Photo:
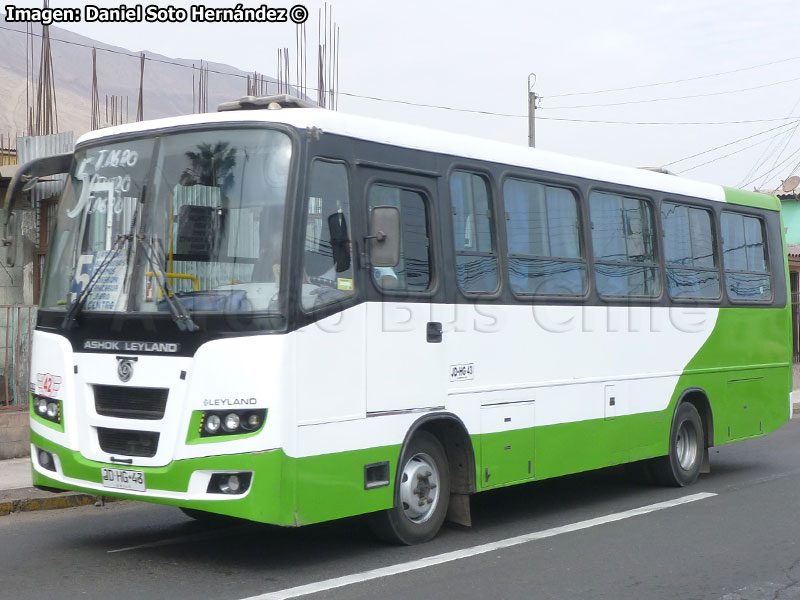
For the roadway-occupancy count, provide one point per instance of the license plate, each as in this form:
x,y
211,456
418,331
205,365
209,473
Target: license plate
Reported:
x,y
123,479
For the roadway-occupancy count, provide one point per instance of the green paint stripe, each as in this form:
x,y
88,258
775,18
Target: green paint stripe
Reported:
x,y
753,199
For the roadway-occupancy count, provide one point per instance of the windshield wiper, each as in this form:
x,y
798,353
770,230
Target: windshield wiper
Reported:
x,y
176,308
71,318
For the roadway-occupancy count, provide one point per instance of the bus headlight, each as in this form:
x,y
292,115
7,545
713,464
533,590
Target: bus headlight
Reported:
x,y
47,408
212,424
231,422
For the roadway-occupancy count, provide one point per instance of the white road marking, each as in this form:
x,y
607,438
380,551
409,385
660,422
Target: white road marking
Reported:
x,y
414,565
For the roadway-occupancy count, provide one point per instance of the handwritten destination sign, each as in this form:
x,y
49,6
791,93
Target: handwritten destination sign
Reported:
x,y
107,294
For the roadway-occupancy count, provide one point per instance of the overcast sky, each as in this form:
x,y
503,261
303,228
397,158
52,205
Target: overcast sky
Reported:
x,y
477,56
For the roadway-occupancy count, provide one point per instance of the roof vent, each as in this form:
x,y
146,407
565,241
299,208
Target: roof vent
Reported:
x,y
266,102
657,170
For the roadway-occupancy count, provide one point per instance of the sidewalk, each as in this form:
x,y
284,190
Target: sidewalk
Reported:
x,y
17,493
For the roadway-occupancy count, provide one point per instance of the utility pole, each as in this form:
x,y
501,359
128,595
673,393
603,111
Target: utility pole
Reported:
x,y
531,111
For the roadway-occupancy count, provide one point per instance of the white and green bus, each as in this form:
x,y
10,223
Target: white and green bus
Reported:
x,y
290,315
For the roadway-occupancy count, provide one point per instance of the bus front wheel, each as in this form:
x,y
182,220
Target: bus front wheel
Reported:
x,y
681,466
422,494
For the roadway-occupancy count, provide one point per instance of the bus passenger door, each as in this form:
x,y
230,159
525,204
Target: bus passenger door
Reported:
x,y
330,349
406,366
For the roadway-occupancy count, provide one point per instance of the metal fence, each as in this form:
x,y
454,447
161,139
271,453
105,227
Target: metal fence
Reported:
x,y
16,327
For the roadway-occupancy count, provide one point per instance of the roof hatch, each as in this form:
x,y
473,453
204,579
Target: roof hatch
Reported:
x,y
266,102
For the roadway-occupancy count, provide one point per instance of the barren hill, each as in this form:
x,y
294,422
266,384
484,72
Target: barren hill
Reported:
x,y
167,87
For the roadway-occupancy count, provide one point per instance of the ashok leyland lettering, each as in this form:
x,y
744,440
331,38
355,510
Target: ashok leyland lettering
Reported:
x,y
290,315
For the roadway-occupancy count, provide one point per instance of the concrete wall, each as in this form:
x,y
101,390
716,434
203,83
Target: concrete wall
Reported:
x,y
15,439
791,219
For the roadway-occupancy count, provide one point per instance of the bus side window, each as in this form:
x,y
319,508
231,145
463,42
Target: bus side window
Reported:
x,y
413,272
327,260
623,240
473,233
744,254
689,252
543,231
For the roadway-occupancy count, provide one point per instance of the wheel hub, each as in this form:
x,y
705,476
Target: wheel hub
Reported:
x,y
686,446
419,488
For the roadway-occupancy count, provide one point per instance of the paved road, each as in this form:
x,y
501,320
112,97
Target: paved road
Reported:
x,y
736,536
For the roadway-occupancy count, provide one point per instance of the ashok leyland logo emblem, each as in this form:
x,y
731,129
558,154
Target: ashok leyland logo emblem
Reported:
x,y
125,367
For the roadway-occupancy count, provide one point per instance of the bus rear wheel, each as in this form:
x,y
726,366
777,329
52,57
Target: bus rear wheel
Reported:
x,y
681,467
422,493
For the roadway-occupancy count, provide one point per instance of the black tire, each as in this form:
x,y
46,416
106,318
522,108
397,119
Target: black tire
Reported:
x,y
681,467
639,472
423,460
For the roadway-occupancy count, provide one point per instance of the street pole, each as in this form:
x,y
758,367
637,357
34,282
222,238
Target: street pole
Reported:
x,y
531,112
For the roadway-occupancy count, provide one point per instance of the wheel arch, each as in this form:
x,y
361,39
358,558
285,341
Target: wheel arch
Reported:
x,y
454,438
699,398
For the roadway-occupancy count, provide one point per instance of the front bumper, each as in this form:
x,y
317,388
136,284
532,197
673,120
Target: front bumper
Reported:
x,y
181,483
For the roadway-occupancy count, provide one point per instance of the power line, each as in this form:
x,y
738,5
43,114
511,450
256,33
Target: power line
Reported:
x,y
420,104
768,151
674,162
647,85
650,100
783,149
437,106
727,155
770,171
739,122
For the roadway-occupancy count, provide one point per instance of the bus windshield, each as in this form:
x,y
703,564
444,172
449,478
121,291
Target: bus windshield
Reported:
x,y
199,213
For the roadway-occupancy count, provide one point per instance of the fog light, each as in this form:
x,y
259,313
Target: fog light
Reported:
x,y
231,422
52,410
229,483
212,424
46,460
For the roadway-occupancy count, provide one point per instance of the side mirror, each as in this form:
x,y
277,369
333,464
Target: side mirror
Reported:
x,y
384,237
32,181
24,179
9,241
29,173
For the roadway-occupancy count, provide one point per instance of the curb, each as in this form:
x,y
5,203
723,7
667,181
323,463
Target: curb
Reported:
x,y
49,502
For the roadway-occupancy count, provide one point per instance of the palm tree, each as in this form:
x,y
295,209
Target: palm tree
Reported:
x,y
211,166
